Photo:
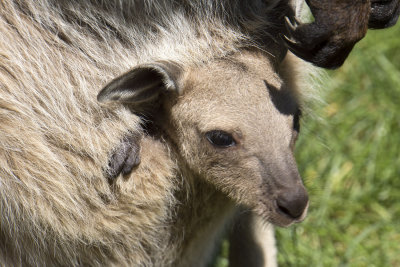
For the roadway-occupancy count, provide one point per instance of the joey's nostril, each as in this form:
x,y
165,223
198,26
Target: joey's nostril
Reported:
x,y
292,203
283,208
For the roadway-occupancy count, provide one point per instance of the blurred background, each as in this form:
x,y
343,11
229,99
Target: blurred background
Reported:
x,y
349,156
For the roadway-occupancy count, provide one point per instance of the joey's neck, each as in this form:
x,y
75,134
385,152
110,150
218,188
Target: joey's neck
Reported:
x,y
200,224
200,220
199,212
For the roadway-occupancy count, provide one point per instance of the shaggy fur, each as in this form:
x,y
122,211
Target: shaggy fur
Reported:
x,y
57,208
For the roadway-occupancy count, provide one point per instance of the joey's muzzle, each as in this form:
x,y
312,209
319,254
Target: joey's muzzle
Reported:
x,y
290,197
293,202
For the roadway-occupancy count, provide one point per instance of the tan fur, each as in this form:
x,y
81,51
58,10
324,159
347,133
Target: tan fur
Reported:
x,y
55,139
232,95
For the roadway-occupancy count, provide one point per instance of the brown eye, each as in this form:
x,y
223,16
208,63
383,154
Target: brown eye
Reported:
x,y
220,138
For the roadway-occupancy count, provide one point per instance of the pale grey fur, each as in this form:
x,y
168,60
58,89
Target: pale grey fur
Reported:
x,y
55,139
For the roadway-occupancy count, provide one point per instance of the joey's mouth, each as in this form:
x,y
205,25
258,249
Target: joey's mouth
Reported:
x,y
278,216
284,218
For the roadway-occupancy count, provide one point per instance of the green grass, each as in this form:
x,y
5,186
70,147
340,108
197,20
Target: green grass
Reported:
x,y
350,162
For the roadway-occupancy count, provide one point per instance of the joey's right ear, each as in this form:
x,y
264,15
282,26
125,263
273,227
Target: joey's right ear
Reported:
x,y
143,84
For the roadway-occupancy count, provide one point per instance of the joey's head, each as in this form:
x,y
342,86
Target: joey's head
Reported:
x,y
233,122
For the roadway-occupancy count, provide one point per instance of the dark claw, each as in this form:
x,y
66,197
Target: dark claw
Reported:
x,y
291,27
383,14
314,45
309,35
325,55
124,158
295,48
327,41
288,41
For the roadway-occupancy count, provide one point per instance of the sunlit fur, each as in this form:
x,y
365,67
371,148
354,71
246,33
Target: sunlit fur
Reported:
x,y
55,139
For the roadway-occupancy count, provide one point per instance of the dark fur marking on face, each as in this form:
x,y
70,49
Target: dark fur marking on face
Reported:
x,y
282,99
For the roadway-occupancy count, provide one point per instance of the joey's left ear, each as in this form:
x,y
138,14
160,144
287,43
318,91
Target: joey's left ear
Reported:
x,y
143,84
138,88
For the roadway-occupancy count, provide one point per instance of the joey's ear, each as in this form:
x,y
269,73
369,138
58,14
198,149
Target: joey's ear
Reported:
x,y
143,84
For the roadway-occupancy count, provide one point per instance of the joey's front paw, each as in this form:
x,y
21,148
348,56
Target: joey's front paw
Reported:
x,y
384,13
124,158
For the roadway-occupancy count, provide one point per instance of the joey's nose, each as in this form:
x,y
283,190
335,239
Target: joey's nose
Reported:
x,y
293,202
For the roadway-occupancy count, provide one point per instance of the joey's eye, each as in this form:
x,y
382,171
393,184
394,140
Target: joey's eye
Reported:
x,y
220,138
